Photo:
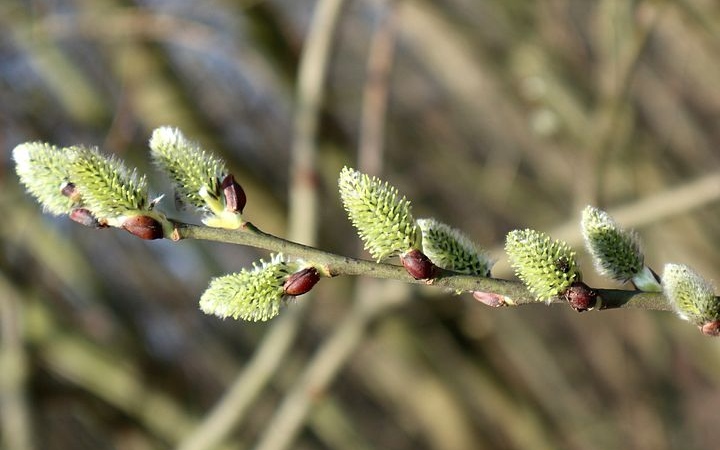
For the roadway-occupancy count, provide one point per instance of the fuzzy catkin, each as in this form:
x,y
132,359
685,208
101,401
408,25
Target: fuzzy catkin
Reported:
x,y
547,267
383,219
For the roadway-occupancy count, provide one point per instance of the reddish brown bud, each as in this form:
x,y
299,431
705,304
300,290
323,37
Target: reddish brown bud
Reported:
x,y
418,265
711,328
490,299
144,227
84,217
301,282
580,296
70,191
235,198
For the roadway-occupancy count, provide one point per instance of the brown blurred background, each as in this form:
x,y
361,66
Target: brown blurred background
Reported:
x,y
489,115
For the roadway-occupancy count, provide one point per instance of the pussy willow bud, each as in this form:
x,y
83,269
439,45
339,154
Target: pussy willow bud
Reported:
x,y
44,170
450,249
580,296
70,191
85,217
108,188
692,297
491,299
711,328
200,179
254,295
418,265
144,227
384,220
615,251
301,282
547,267
189,167
235,198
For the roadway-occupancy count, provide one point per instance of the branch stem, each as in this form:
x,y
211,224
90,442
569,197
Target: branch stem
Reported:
x,y
334,265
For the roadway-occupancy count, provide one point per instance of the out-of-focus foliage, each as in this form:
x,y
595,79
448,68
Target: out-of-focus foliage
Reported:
x,y
502,115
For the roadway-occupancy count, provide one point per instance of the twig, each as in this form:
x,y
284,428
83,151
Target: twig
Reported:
x,y
335,265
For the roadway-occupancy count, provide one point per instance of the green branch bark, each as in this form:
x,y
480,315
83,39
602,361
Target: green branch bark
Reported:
x,y
336,265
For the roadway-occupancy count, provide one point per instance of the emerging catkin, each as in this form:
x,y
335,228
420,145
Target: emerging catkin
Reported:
x,y
548,268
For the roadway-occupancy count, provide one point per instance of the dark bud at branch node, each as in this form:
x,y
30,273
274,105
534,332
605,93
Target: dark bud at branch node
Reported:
x,y
235,198
144,227
85,217
490,299
70,191
418,265
711,328
580,296
301,282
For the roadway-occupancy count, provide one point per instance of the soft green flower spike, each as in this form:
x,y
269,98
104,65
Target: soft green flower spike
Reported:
x,y
690,294
615,251
254,295
45,170
383,220
547,267
195,173
190,168
108,188
450,249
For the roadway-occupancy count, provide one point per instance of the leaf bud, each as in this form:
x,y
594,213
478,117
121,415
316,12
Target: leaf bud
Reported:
x,y
235,198
418,265
83,216
144,227
491,299
301,282
70,191
580,296
711,328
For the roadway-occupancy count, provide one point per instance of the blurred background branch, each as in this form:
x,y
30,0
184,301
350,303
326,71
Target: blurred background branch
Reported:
x,y
488,115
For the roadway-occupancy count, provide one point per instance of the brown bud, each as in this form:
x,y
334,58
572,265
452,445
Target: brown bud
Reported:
x,y
144,227
301,282
490,299
70,191
711,328
418,265
84,217
580,296
234,194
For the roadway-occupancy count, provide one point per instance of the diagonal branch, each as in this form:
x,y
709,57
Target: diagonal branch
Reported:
x,y
335,265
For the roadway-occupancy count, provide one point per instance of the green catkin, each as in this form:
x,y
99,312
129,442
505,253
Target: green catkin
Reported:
x,y
547,267
383,219
254,295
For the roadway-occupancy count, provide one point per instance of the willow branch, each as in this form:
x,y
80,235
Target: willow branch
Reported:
x,y
336,265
